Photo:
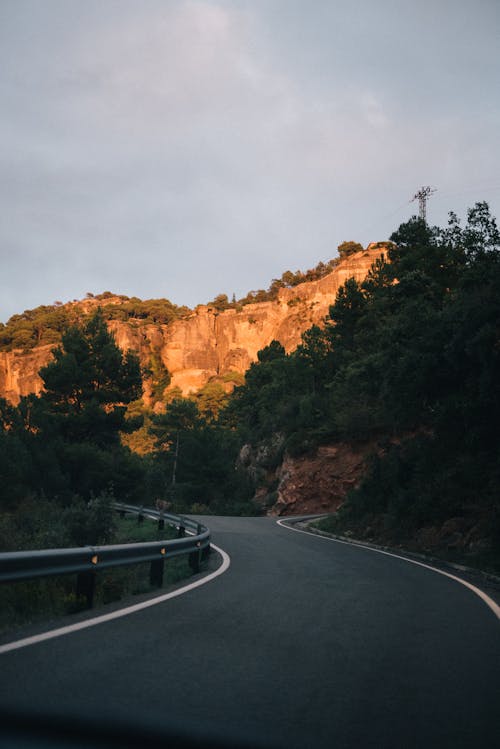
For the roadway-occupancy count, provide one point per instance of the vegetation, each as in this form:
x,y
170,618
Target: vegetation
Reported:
x,y
62,462
156,311
409,359
195,462
37,327
65,444
288,280
29,602
46,324
348,248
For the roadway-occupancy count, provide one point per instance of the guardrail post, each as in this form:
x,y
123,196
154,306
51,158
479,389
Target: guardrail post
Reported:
x,y
206,552
161,522
181,531
140,516
156,572
85,586
195,560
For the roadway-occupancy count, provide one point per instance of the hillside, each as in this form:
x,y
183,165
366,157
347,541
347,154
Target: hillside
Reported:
x,y
390,411
386,412
183,349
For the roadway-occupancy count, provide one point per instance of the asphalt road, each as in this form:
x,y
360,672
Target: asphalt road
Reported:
x,y
303,642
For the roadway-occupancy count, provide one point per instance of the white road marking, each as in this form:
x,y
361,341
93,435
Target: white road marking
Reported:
x,y
16,644
495,608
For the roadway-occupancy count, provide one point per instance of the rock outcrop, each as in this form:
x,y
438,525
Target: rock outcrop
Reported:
x,y
19,372
320,482
207,343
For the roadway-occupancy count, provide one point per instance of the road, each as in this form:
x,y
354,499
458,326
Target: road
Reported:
x,y
302,642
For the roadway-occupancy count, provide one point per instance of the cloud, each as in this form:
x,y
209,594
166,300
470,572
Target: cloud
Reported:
x,y
373,111
153,73
186,148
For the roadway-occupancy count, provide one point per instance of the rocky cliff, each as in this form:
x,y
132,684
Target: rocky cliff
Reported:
x,y
207,343
315,482
19,372
320,482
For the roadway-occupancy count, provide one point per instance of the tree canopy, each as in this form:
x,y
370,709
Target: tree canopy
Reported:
x,y
408,359
348,248
66,442
89,382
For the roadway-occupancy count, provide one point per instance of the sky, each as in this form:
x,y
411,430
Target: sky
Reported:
x,y
188,148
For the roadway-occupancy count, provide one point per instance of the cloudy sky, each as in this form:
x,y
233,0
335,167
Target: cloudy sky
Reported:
x,y
186,148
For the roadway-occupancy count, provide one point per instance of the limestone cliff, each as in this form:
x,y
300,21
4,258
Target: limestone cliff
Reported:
x,y
212,343
19,372
207,343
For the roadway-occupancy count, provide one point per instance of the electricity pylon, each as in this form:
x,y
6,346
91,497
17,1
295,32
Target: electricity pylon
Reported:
x,y
422,196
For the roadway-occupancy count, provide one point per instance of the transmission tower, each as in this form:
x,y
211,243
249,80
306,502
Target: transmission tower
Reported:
x,y
421,196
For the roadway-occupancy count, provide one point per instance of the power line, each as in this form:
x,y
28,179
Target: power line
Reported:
x,y
468,190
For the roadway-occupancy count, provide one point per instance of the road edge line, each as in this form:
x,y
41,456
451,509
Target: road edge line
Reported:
x,y
492,605
102,618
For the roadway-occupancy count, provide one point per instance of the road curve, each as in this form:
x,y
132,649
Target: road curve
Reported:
x,y
300,643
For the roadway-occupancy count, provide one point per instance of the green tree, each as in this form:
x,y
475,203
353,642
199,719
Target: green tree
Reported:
x,y
348,248
211,399
255,405
170,428
72,431
347,313
89,383
271,352
220,302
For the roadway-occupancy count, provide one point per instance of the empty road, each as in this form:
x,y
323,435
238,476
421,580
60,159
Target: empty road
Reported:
x,y
302,642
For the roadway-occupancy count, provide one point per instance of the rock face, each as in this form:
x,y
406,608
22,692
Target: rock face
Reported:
x,y
210,343
207,343
19,372
320,482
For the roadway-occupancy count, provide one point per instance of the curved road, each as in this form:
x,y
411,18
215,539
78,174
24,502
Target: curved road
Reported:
x,y
303,642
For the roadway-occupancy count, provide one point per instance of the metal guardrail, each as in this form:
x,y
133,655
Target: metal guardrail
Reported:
x,y
86,561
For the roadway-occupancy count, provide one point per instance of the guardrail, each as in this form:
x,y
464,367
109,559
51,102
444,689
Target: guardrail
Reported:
x,y
87,561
